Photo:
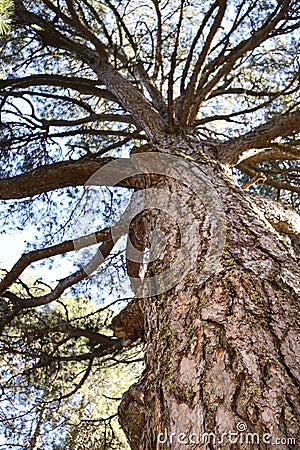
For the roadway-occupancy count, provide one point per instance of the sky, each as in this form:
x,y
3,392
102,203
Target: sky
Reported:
x,y
12,246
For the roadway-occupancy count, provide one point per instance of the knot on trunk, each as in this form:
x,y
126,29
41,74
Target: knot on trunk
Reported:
x,y
130,321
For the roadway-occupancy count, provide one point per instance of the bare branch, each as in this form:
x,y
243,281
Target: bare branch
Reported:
x,y
48,252
80,384
102,253
191,88
158,64
194,43
91,118
155,94
172,71
278,184
252,93
227,62
271,97
132,100
91,132
106,341
50,36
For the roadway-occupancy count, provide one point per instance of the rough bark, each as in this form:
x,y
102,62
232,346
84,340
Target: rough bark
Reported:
x,y
222,358
133,101
60,175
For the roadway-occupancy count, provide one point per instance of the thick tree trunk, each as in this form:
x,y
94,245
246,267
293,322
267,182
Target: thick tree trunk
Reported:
x,y
222,358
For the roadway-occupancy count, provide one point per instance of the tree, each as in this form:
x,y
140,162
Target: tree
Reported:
x,y
55,394
205,100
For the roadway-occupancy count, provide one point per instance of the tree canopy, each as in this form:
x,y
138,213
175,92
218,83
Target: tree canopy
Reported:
x,y
87,83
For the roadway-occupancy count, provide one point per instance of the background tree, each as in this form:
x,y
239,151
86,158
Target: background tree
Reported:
x,y
202,98
55,393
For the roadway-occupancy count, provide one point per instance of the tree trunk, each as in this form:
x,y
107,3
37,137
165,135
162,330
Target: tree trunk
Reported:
x,y
222,351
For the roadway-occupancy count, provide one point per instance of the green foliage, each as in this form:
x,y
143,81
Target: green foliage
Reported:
x,y
6,11
54,393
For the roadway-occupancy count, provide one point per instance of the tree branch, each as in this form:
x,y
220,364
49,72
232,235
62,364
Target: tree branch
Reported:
x,y
132,100
63,284
91,118
106,341
274,152
193,46
260,137
155,94
189,96
82,85
50,36
226,62
54,250
64,174
278,184
171,117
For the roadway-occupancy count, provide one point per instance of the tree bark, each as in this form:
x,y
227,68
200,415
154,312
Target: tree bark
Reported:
x,y
222,357
63,174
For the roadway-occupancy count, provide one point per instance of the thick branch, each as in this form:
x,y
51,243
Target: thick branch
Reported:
x,y
63,174
133,101
260,137
83,85
280,152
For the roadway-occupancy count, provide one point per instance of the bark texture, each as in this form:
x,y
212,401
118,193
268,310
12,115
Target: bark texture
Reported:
x,y
59,175
222,359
